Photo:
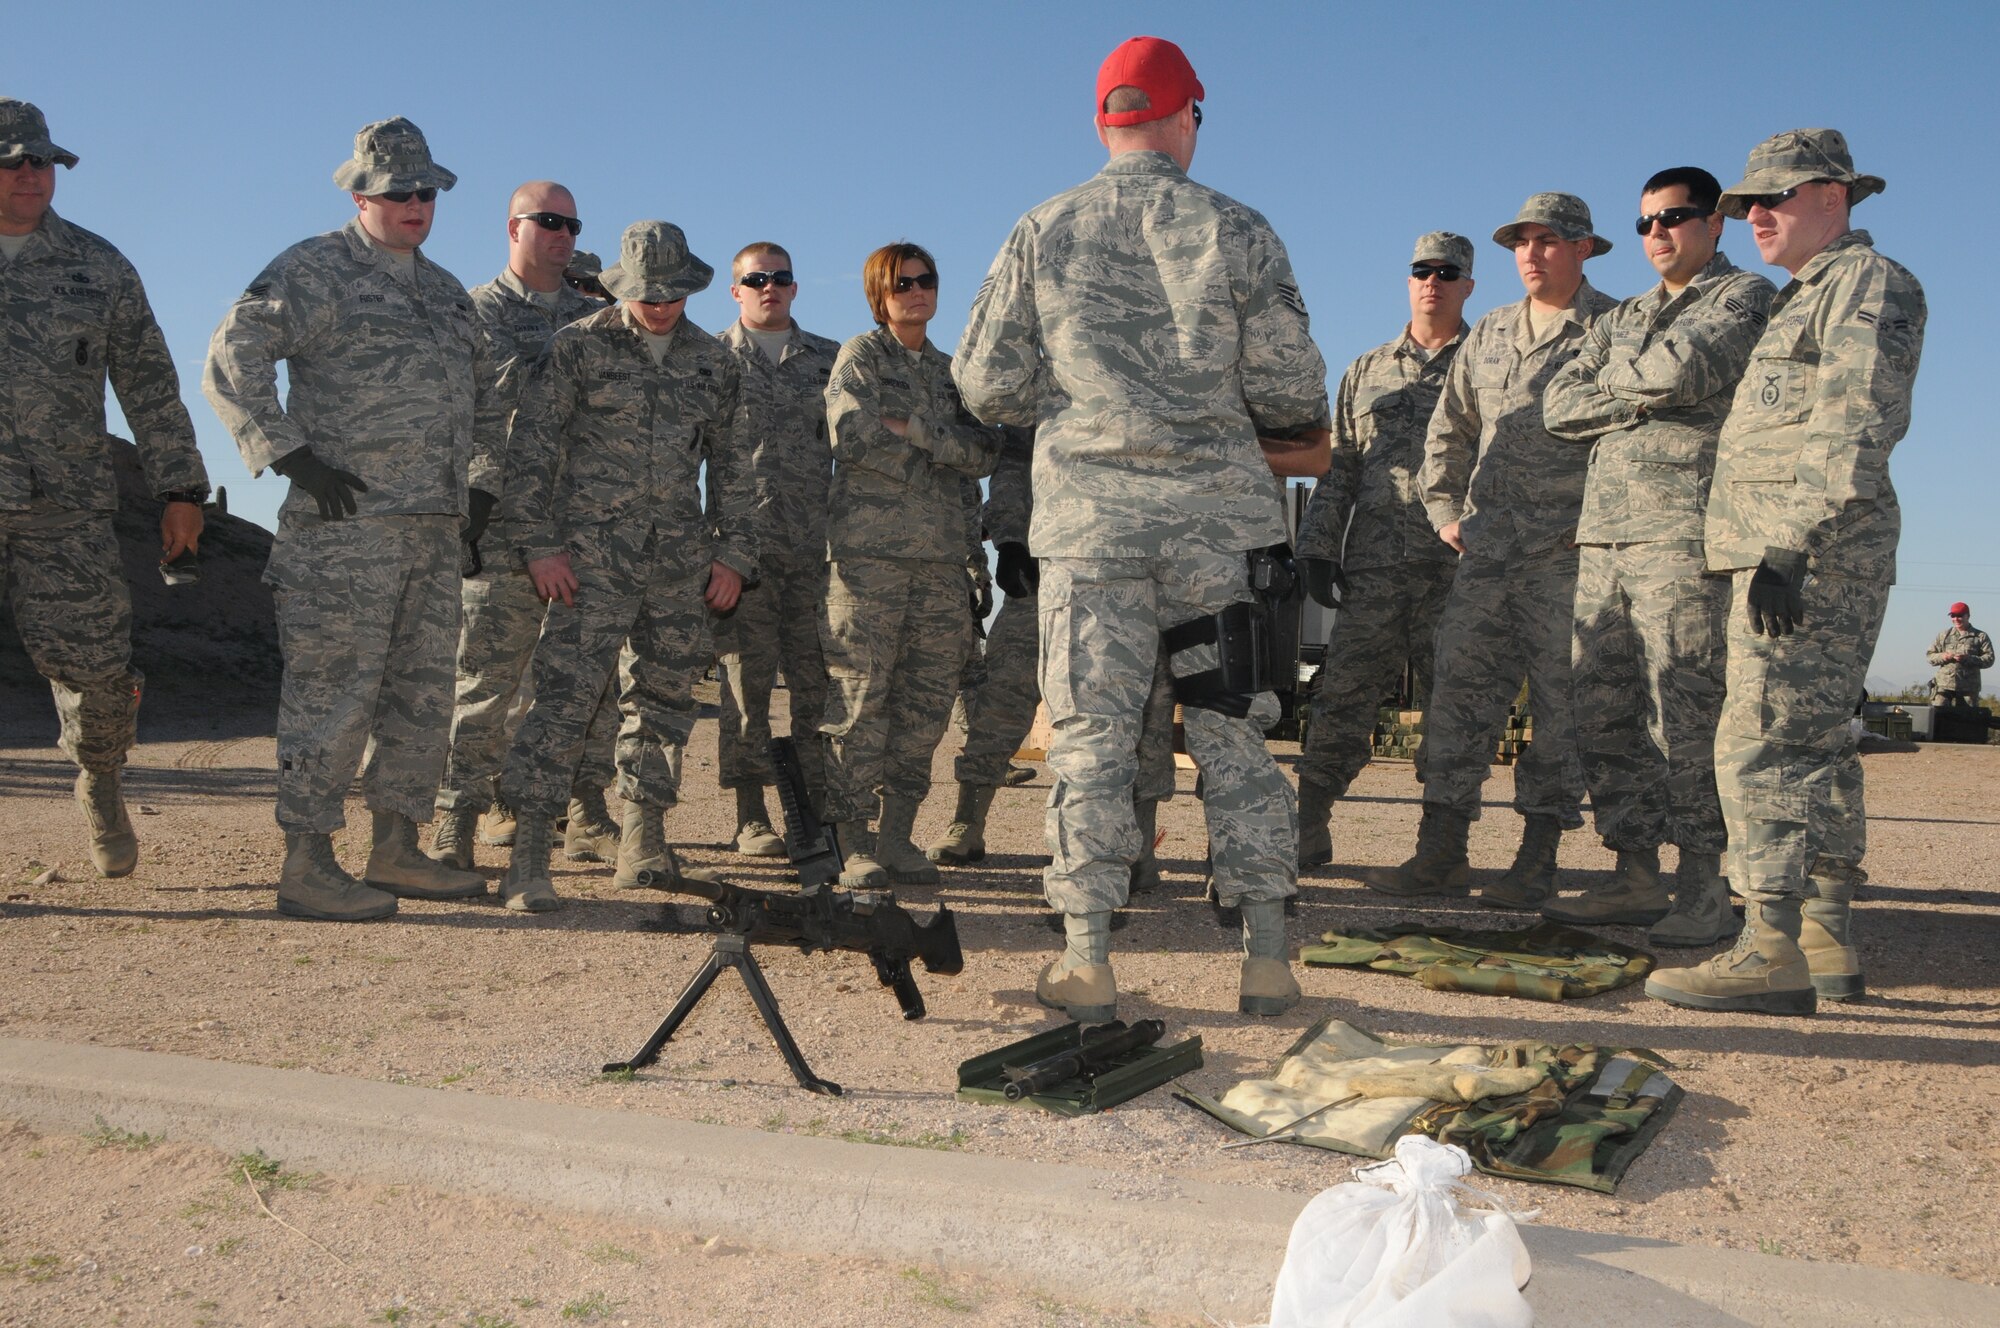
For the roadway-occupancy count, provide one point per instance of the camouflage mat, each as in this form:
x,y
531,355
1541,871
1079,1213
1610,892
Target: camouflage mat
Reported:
x,y
1586,1118
1546,962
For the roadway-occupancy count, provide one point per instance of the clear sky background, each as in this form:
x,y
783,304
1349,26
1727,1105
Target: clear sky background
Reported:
x,y
209,133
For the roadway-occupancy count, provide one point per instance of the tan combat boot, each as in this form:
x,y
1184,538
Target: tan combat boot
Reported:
x,y
526,888
114,848
1144,877
398,866
1633,897
314,885
1826,931
1701,914
589,836
1765,974
1531,880
496,827
1268,987
1438,867
1315,824
754,836
452,844
1080,982
644,860
859,870
964,840
901,858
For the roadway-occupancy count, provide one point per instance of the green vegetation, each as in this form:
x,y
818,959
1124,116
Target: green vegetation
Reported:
x,y
605,1252
929,1290
267,1172
591,1308
107,1135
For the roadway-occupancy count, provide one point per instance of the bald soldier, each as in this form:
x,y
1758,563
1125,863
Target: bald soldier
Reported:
x,y
1804,520
1157,476
72,317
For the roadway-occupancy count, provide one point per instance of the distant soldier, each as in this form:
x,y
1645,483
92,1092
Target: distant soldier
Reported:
x,y
520,310
1959,653
73,314
1505,494
776,623
603,487
392,397
1648,395
582,274
1366,545
1804,518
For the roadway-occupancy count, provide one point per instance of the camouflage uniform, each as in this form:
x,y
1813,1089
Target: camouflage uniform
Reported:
x,y
396,383
1803,466
896,624
502,614
1491,466
604,463
72,315
1650,389
776,622
1959,678
1398,571
1149,488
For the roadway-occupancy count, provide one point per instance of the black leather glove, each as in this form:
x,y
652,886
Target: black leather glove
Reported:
x,y
1018,573
332,489
1325,581
1777,593
982,598
479,512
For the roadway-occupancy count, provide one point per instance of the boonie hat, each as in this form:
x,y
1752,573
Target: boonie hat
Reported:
x,y
654,265
1957,609
391,156
1157,68
1444,247
583,265
24,132
1565,214
1793,158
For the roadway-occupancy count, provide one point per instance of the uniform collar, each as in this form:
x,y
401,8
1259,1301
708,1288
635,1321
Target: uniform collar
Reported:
x,y
888,339
54,232
1822,260
1407,345
367,251
737,337
1717,267
1143,163
511,280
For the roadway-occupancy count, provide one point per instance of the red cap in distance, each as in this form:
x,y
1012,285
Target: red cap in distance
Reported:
x,y
1156,67
1957,609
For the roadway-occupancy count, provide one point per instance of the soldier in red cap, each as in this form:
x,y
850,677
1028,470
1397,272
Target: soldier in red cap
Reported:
x,y
1959,653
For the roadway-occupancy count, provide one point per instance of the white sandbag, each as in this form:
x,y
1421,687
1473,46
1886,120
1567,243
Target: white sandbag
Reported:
x,y
1393,1249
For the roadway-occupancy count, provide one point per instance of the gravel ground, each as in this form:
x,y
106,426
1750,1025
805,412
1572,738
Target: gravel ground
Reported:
x,y
1863,1135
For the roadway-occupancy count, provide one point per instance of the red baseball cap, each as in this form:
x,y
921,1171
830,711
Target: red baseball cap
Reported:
x,y
1957,609
1157,68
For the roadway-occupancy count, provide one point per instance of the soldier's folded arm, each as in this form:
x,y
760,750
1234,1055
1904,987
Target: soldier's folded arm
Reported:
x,y
1705,350
265,325
962,444
1576,406
854,416
999,365
1300,452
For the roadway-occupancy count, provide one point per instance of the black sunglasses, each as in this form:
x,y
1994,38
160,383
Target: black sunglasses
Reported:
x,y
551,221
1672,217
1197,115
405,195
927,281
1771,201
28,159
1442,271
758,280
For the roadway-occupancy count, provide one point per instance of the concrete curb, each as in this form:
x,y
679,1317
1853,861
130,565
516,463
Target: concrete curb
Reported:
x,y
1157,1244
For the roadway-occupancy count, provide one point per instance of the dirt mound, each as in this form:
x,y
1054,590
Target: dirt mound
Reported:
x,y
213,644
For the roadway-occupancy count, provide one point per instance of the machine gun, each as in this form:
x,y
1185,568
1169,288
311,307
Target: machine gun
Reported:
x,y
817,918
1094,1053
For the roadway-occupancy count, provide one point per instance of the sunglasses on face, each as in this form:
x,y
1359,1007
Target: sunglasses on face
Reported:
x,y
1442,271
1197,115
926,281
551,221
758,280
1672,217
1771,202
29,160
588,285
405,195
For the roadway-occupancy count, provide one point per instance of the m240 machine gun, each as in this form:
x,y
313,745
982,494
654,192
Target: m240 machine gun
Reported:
x,y
817,918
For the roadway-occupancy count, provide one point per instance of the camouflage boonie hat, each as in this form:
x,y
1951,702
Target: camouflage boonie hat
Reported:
x,y
583,266
654,265
1443,247
1565,214
389,157
24,132
1794,158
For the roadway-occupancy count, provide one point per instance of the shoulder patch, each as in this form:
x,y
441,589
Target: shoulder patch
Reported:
x,y
257,290
1289,293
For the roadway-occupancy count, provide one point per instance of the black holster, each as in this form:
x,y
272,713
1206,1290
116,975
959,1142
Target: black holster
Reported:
x,y
1256,640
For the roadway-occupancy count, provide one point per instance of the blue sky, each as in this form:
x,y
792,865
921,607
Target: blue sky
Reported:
x,y
209,133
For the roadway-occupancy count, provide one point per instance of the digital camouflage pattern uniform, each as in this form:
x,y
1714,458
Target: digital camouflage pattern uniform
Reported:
x,y
1367,515
1490,465
1003,703
72,316
604,463
1959,678
776,623
1649,391
1803,466
1150,329
502,614
896,624
396,383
